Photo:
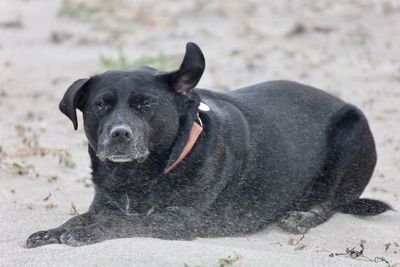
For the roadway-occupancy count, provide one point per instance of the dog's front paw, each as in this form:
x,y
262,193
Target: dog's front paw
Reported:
x,y
42,238
73,237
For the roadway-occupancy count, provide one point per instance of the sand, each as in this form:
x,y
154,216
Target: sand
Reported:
x,y
349,49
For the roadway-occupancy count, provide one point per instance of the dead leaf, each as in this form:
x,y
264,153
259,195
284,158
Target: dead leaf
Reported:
x,y
73,210
51,205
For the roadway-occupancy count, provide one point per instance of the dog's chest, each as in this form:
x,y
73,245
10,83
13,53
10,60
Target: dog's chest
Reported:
x,y
133,201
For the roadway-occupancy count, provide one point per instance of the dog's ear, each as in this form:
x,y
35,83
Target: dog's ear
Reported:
x,y
72,100
190,71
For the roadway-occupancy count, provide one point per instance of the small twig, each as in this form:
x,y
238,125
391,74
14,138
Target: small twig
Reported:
x,y
381,259
301,238
48,197
353,253
73,210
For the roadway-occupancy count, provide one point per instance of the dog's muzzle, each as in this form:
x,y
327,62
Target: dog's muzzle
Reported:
x,y
122,144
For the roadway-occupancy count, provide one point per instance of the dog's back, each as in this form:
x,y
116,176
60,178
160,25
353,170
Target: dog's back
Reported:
x,y
302,144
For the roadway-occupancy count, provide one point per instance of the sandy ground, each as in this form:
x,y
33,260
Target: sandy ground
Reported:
x,y
349,48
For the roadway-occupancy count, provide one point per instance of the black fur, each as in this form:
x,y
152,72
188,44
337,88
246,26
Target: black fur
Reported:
x,y
273,152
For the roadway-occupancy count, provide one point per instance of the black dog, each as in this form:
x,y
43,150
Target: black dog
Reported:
x,y
163,167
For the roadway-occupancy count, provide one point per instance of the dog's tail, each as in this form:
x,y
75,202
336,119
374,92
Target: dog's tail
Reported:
x,y
364,207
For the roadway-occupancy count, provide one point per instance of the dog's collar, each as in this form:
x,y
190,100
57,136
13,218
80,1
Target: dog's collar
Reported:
x,y
195,132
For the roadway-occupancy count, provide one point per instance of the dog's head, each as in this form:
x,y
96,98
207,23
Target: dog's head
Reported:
x,y
131,113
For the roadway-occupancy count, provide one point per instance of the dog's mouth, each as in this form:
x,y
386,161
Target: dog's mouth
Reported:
x,y
120,158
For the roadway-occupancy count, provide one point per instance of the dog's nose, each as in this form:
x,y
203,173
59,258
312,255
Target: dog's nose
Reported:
x,y
121,133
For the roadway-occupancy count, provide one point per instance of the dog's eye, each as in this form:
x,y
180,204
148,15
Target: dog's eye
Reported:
x,y
141,105
103,104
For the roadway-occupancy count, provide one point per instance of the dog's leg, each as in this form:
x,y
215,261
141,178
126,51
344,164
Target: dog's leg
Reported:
x,y
299,222
89,228
53,236
349,168
172,223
